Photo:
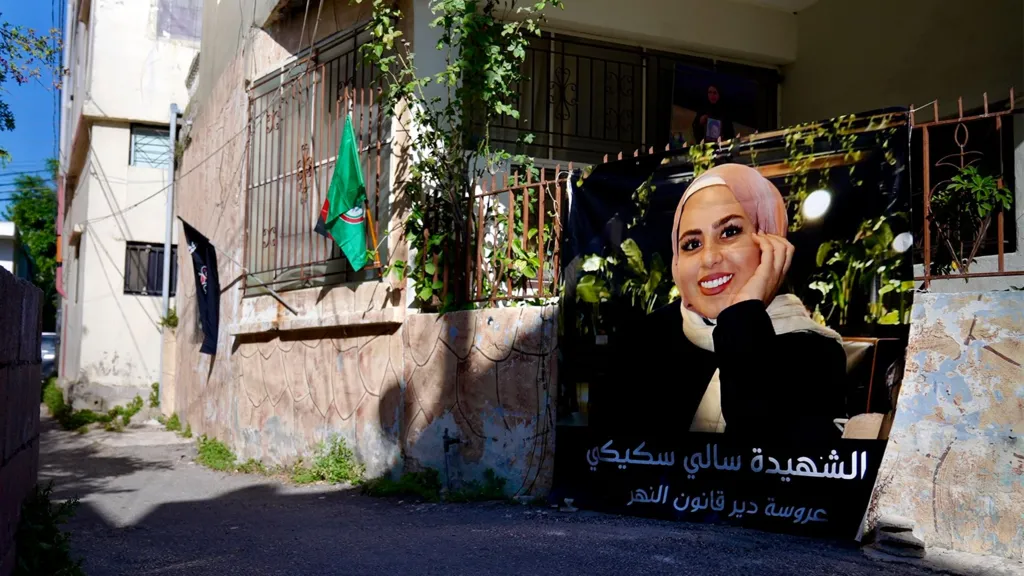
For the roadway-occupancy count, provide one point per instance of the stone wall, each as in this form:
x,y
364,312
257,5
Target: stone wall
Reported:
x,y
954,464
484,377
20,329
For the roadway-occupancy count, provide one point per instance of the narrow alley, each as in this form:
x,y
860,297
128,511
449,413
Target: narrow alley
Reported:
x,y
147,508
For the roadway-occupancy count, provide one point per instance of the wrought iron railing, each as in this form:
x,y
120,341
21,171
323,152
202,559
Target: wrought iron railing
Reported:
x,y
946,147
515,230
296,121
581,99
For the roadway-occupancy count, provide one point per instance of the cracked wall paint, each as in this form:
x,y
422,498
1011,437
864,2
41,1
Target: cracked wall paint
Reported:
x,y
955,459
483,376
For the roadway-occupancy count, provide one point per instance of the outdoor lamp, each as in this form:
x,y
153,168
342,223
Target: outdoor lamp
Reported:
x,y
902,242
816,204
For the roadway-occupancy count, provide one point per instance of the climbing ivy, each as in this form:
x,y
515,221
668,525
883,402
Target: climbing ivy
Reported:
x,y
449,115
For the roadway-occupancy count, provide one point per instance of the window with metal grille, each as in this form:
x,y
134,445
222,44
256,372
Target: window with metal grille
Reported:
x,y
582,98
151,147
296,120
182,19
144,269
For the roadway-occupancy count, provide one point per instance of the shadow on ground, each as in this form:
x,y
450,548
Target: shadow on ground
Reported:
x,y
151,510
78,464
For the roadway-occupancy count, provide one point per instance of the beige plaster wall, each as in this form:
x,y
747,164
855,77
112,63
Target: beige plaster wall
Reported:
x,y
351,362
856,56
135,73
954,461
715,27
114,339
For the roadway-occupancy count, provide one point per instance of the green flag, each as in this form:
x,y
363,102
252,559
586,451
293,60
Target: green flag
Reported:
x,y
346,198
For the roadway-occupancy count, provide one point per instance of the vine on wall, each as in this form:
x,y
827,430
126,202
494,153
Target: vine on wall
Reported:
x,y
450,115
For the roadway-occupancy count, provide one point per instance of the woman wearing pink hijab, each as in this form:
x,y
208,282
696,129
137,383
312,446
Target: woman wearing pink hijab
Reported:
x,y
748,360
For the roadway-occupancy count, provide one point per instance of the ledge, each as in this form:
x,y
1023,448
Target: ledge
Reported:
x,y
389,316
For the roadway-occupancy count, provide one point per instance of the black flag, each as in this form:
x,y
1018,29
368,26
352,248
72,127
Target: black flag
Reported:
x,y
204,262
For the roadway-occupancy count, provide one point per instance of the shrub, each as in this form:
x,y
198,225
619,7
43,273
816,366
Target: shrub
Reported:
x,y
187,432
41,546
171,320
253,466
154,395
70,419
333,462
492,488
173,423
53,397
425,485
215,454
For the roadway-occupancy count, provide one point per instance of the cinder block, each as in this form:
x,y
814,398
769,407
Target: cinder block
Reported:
x,y
31,373
6,323
10,411
6,559
4,412
31,302
11,320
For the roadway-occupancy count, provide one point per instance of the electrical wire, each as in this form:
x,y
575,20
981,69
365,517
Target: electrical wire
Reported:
x,y
190,170
231,139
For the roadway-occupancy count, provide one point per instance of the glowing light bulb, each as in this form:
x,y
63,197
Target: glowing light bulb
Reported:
x,y
903,242
816,204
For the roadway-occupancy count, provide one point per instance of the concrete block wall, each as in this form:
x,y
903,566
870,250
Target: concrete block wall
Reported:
x,y
20,329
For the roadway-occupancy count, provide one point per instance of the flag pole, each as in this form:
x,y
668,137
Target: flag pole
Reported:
x,y
373,235
366,202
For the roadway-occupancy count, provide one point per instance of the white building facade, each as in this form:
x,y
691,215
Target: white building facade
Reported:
x,y
127,63
13,257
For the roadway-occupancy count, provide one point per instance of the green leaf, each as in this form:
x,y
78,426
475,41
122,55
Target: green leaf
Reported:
x,y
634,257
673,294
588,289
823,252
593,263
890,318
437,284
429,268
425,293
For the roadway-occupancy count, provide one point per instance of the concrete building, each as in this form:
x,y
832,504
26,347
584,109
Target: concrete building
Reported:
x,y
342,353
13,257
127,63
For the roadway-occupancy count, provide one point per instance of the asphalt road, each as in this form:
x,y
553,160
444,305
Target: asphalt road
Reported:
x,y
148,509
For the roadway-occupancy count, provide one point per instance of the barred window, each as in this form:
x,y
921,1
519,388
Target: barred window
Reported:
x,y
582,98
151,147
182,19
296,120
144,269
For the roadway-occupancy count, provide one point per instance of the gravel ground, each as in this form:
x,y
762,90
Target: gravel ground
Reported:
x,y
148,509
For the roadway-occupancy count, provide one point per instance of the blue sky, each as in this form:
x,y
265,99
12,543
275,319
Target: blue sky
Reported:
x,y
33,105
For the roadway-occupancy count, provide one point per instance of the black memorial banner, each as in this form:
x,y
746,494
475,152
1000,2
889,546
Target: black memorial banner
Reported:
x,y
820,490
744,306
204,264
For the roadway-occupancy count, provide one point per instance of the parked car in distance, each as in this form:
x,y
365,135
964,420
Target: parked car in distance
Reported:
x,y
49,354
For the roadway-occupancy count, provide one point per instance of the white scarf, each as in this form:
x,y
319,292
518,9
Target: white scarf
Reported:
x,y
787,314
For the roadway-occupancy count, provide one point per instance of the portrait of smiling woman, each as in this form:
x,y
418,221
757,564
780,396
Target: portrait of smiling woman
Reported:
x,y
737,354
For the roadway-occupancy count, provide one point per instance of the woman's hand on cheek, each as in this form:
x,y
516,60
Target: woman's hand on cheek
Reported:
x,y
776,256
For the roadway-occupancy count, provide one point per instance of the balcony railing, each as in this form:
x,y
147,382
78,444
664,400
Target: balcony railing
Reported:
x,y
946,147
515,231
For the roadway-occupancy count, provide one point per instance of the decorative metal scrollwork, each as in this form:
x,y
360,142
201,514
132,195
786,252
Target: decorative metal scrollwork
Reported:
x,y
562,94
270,236
304,173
